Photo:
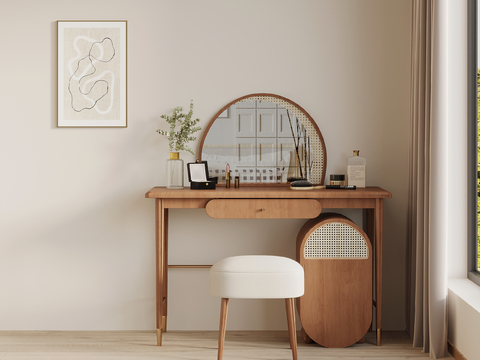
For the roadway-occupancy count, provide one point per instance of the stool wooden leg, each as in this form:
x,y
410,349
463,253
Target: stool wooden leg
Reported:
x,y
292,331
223,327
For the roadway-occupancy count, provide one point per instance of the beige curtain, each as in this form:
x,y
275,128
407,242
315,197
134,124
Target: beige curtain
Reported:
x,y
426,293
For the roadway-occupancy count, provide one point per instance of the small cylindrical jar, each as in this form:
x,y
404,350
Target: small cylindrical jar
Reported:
x,y
337,179
174,171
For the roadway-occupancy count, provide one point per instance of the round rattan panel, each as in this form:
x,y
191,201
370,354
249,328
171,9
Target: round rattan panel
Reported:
x,y
336,240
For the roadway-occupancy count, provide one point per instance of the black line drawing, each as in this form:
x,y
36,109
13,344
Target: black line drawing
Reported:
x,y
89,61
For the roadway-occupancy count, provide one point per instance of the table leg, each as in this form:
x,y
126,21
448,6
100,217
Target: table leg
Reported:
x,y
378,265
369,227
161,241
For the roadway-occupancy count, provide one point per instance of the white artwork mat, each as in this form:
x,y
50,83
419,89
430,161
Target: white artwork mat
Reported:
x,y
92,74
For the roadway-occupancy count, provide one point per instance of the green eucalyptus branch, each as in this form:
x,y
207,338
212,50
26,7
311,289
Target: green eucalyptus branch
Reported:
x,y
182,127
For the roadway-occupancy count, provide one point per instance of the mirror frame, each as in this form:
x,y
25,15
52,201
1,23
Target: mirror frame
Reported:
x,y
319,151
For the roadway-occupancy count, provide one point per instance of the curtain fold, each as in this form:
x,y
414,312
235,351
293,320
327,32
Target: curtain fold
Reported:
x,y
426,316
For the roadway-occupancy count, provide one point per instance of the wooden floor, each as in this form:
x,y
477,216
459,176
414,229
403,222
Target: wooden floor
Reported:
x,y
183,345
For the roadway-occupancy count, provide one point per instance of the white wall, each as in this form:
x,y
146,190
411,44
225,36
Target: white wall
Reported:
x,y
77,234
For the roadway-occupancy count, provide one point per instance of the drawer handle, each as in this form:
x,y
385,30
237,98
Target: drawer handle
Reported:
x,y
262,209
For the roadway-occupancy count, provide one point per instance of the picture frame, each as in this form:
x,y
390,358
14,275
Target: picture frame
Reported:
x,y
92,73
198,176
197,171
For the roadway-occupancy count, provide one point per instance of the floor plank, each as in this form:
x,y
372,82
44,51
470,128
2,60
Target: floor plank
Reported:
x,y
184,345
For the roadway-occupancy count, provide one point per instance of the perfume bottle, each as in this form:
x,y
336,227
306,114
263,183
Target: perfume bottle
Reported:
x,y
356,166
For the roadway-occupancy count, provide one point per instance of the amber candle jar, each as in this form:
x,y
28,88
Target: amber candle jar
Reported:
x,y
337,179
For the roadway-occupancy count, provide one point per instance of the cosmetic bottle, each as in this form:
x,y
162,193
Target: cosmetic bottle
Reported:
x,y
356,166
227,179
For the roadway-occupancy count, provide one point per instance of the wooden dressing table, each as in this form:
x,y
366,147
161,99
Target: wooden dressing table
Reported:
x,y
265,202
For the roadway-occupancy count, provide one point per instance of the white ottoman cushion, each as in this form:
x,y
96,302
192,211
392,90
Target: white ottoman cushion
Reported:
x,y
257,277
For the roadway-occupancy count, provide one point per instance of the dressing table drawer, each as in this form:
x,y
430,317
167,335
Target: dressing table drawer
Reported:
x,y
263,208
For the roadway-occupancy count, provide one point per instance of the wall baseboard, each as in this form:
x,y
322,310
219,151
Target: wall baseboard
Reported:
x,y
457,355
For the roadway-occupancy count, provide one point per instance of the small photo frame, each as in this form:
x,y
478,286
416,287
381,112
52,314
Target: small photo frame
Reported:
x,y
197,171
198,176
92,73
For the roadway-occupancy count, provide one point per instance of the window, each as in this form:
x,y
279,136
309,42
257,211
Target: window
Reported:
x,y
476,249
474,142
476,242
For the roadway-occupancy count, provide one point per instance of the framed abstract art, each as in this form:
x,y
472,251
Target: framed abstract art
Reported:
x,y
92,73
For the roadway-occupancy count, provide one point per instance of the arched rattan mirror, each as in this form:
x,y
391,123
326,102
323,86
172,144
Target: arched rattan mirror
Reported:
x,y
265,139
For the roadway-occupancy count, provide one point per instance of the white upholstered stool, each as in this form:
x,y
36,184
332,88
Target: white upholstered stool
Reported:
x,y
257,277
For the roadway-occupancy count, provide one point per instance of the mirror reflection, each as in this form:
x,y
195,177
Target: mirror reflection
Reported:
x,y
261,141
